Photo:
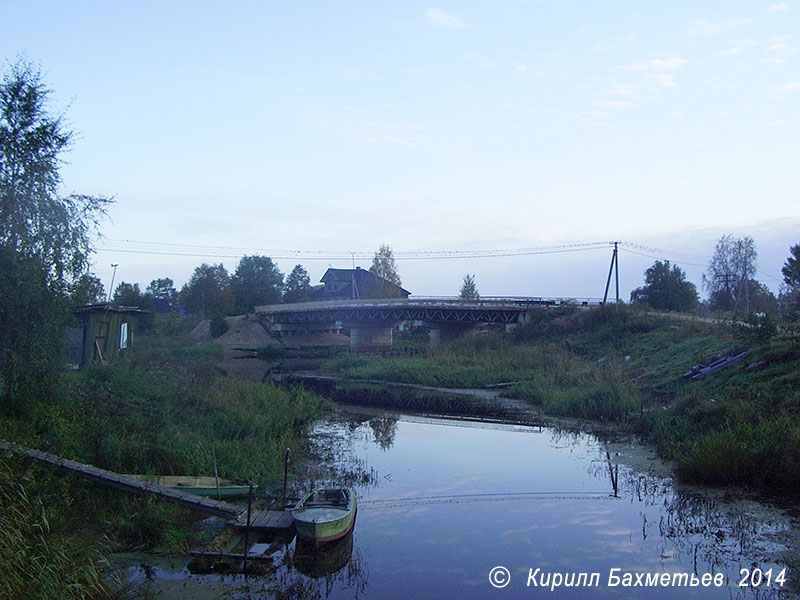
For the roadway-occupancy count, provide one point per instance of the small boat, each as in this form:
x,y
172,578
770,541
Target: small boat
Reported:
x,y
201,485
325,514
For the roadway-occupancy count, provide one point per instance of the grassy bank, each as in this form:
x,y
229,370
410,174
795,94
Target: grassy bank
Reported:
x,y
160,410
740,425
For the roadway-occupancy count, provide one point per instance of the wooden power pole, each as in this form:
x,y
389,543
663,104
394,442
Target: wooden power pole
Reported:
x,y
614,268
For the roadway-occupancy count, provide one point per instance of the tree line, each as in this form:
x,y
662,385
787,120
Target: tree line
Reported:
x,y
729,281
212,292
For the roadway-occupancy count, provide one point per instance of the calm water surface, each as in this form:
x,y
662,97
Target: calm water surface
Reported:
x,y
442,503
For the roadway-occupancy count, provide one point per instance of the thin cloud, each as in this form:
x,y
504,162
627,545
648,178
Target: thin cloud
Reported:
x,y
788,88
614,104
709,28
730,51
661,70
777,43
622,89
779,7
439,18
481,60
663,79
671,64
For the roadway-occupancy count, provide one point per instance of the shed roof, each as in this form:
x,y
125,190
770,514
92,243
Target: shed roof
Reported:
x,y
107,307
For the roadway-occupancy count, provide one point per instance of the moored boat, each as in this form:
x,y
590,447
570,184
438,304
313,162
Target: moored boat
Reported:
x,y
201,485
325,514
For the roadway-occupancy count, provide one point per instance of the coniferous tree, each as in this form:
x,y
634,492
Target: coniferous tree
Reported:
x,y
469,291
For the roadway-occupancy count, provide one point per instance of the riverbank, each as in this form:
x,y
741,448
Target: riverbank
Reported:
x,y
159,410
737,426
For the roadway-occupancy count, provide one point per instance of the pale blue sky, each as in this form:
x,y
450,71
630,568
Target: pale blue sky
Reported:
x,y
321,126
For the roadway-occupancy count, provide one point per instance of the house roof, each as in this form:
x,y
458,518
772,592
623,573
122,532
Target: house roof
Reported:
x,y
365,281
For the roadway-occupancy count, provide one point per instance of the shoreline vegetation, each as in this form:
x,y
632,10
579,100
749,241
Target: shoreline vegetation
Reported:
x,y
739,426
160,410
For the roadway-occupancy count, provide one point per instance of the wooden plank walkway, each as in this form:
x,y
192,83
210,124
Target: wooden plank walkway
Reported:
x,y
129,484
266,519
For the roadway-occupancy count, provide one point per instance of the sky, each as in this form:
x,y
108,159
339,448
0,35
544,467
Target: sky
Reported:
x,y
314,132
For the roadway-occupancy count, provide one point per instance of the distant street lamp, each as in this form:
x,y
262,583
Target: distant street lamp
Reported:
x,y
111,289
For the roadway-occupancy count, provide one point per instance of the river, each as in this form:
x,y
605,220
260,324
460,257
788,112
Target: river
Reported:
x,y
457,509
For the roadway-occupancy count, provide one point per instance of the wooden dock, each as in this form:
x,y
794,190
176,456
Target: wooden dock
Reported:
x,y
266,520
131,484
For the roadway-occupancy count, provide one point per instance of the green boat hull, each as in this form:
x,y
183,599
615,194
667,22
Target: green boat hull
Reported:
x,y
200,485
325,515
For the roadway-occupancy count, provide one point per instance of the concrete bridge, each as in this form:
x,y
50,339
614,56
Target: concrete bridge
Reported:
x,y
370,322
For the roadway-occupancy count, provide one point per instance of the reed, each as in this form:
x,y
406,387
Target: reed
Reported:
x,y
39,561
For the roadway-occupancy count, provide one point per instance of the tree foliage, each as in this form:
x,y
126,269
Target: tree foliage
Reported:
x,y
791,268
469,291
34,220
298,286
666,288
733,264
208,292
163,289
383,265
257,281
129,294
87,289
32,321
45,239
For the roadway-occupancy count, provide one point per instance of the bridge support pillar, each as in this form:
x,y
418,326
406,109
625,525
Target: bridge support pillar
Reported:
x,y
370,339
442,333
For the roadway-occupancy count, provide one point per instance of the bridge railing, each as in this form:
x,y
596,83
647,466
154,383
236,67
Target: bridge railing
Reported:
x,y
444,301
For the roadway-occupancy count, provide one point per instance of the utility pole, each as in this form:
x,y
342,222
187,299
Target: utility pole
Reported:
x,y
111,289
614,268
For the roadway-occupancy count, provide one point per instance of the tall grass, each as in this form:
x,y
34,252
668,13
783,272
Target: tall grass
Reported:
x,y
161,410
38,561
741,425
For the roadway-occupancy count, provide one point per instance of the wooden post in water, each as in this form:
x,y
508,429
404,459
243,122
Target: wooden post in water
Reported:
x,y
285,476
613,473
247,529
216,477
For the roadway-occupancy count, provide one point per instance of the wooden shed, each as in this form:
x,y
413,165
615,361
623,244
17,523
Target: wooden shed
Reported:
x,y
105,332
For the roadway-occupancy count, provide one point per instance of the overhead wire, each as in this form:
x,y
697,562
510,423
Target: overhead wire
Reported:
x,y
145,247
164,249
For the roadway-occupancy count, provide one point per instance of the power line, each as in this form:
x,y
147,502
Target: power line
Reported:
x,y
219,252
677,262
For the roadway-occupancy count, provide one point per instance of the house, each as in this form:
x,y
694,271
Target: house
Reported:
x,y
355,284
104,333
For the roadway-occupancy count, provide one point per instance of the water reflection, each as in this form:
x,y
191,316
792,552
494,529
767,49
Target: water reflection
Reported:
x,y
441,503
384,429
321,561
